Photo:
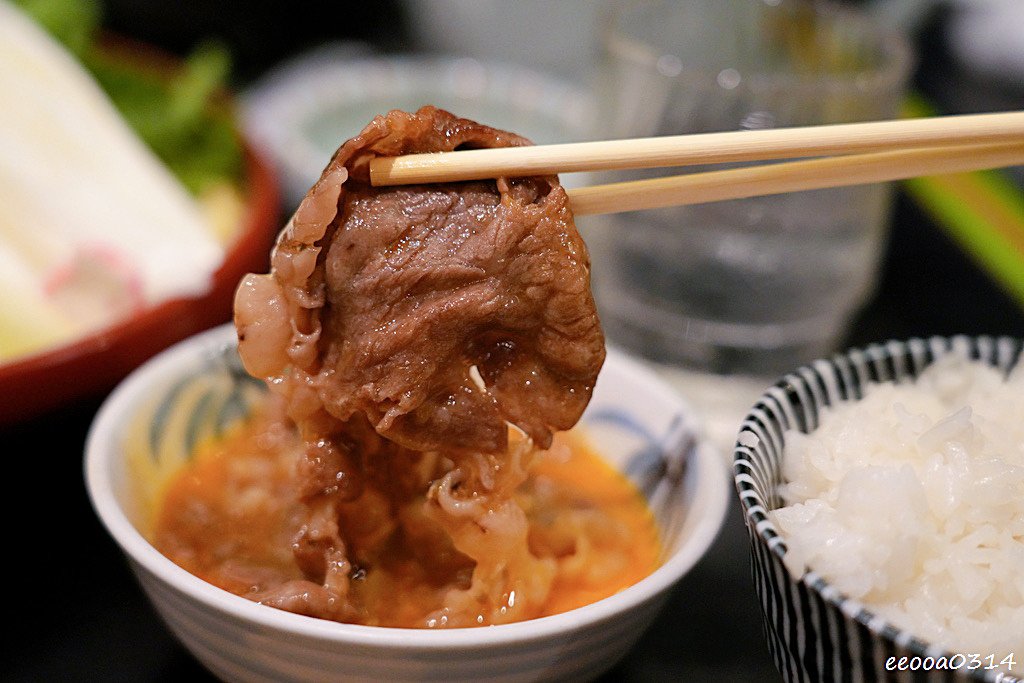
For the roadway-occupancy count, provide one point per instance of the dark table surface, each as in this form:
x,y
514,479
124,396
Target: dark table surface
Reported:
x,y
77,614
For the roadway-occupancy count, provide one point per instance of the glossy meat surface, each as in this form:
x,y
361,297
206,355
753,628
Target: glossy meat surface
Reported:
x,y
382,301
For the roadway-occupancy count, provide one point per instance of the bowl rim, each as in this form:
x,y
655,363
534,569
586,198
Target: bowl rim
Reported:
x,y
709,504
878,368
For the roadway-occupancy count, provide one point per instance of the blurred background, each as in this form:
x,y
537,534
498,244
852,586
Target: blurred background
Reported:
x,y
112,248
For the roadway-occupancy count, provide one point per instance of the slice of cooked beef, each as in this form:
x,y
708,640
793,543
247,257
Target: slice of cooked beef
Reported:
x,y
381,300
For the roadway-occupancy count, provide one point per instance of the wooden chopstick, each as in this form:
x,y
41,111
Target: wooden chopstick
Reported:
x,y
706,148
792,176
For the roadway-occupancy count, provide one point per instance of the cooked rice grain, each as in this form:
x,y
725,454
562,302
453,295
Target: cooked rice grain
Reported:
x,y
912,502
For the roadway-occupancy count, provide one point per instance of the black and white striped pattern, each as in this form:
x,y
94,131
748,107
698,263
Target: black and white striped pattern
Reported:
x,y
814,633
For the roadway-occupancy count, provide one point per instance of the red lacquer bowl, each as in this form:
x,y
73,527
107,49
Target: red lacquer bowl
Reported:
x,y
92,365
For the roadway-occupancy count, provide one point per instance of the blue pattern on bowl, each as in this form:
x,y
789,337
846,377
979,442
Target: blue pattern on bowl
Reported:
x,y
218,394
656,464
814,632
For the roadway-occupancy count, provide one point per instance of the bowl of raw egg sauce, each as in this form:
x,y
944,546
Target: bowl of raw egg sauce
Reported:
x,y
192,471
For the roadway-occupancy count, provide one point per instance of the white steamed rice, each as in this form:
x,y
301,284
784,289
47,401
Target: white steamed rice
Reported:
x,y
912,502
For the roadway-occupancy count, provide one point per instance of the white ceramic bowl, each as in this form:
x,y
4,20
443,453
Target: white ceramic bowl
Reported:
x,y
637,422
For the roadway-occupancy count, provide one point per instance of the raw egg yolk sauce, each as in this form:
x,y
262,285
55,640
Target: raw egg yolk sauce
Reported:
x,y
231,515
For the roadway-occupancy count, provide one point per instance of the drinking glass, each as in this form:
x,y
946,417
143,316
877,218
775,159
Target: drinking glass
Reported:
x,y
754,286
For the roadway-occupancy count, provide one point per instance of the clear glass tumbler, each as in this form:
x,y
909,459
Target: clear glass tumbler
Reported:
x,y
754,286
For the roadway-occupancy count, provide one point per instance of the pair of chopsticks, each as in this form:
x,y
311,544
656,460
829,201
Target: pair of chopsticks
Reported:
x,y
847,154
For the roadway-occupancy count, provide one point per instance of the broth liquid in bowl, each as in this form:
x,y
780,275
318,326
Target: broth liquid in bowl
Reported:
x,y
232,517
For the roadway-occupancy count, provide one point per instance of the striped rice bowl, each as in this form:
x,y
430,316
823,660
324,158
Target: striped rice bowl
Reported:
x,y
884,495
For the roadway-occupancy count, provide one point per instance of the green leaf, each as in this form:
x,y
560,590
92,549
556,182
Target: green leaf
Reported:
x,y
72,22
179,116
